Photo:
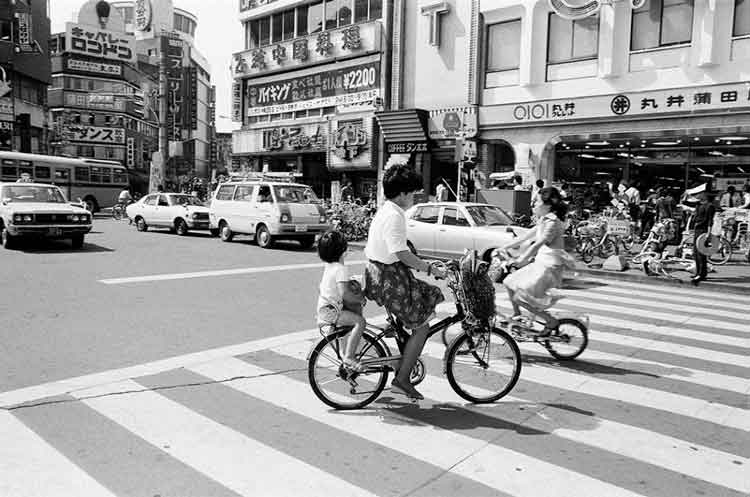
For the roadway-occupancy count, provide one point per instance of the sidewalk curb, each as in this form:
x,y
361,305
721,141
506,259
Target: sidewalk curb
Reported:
x,y
642,278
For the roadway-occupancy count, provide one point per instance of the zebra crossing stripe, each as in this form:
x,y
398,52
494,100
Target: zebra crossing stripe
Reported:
x,y
671,290
461,455
688,458
30,467
232,459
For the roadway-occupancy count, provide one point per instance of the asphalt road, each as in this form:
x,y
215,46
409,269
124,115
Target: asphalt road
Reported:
x,y
151,364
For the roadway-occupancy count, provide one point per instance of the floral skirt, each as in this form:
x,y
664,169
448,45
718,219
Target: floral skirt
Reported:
x,y
395,287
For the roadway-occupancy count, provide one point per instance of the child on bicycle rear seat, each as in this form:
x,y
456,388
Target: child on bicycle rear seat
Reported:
x,y
532,286
334,290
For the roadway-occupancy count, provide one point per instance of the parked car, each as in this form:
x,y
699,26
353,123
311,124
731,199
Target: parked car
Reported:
x,y
178,211
445,230
267,210
39,210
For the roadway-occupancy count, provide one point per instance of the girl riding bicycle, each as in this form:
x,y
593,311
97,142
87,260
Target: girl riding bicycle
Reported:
x,y
531,286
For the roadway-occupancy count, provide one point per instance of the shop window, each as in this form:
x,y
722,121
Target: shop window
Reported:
x,y
504,46
741,18
572,40
660,23
277,31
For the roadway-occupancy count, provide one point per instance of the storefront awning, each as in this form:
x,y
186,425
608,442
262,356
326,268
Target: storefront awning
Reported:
x,y
399,126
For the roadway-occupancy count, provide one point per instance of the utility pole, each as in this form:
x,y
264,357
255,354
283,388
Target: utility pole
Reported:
x,y
159,159
385,90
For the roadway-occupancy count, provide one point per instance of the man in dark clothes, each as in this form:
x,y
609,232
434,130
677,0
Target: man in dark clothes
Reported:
x,y
702,221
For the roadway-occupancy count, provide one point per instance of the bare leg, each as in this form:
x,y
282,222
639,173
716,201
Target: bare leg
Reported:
x,y
550,320
411,353
512,297
348,318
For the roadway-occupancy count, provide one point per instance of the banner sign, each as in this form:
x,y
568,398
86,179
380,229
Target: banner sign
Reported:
x,y
76,65
407,147
348,99
95,42
96,134
643,104
307,137
94,101
130,152
190,83
454,122
172,50
26,43
237,102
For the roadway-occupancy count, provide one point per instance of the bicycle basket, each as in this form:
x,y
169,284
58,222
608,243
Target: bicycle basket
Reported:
x,y
478,289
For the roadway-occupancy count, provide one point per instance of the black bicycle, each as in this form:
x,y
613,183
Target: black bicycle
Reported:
x,y
482,363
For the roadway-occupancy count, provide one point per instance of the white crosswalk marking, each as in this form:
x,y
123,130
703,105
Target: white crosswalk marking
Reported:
x,y
708,295
630,441
672,381
30,467
468,457
211,448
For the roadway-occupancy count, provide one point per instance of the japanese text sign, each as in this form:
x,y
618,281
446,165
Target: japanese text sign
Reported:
x,y
97,134
251,4
95,42
87,66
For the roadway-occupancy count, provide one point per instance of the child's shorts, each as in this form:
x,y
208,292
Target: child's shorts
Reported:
x,y
328,314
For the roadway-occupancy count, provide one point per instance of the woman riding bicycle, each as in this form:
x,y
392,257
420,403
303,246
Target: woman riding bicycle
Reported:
x,y
530,287
389,279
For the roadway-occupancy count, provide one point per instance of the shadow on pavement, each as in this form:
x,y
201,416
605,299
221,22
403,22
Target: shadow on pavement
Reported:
x,y
583,366
58,247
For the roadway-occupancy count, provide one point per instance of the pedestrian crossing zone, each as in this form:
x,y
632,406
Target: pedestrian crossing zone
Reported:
x,y
656,406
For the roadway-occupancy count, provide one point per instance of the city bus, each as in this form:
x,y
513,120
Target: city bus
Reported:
x,y
96,182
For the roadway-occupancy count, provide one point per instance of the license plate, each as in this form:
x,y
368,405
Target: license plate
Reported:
x,y
300,228
55,231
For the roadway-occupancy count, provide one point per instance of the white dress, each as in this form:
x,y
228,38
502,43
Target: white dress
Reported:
x,y
534,283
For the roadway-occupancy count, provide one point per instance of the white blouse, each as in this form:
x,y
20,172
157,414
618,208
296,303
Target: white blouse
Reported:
x,y
387,234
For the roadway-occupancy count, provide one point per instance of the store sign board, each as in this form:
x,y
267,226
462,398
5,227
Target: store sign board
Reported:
x,y
96,134
351,145
407,147
324,46
95,42
721,184
453,122
307,137
624,105
246,5
6,108
237,102
26,43
142,15
86,66
130,152
317,103
94,101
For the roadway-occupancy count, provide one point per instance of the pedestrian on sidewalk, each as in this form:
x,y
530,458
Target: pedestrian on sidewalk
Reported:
x,y
701,224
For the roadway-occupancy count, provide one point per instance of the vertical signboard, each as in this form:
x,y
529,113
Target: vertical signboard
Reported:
x,y
190,86
130,153
172,51
237,101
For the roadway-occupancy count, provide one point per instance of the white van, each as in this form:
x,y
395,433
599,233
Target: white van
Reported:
x,y
268,210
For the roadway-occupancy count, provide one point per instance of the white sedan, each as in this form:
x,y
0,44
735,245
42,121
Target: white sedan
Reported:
x,y
444,230
177,211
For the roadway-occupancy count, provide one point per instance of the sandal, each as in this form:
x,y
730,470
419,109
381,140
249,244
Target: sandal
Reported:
x,y
407,390
549,331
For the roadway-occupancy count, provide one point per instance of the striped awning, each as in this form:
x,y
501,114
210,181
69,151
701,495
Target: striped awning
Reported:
x,y
399,126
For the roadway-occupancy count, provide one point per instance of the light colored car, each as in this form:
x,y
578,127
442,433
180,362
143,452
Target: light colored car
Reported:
x,y
444,230
177,211
267,211
39,210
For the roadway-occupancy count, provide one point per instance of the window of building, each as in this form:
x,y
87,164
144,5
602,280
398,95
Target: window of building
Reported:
x,y
504,46
361,10
264,28
328,111
315,17
741,18
344,12
302,20
572,40
277,22
331,13
85,151
288,24
660,23
376,9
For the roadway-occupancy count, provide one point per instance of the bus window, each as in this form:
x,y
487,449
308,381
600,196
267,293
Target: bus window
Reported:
x,y
119,176
82,174
96,174
42,172
106,175
10,171
62,175
28,170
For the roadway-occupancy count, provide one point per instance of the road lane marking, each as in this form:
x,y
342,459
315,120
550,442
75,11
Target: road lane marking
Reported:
x,y
31,467
671,453
236,461
468,457
218,272
670,289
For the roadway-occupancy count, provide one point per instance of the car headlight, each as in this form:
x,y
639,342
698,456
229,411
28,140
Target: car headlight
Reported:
x,y
84,218
195,215
75,218
27,218
285,218
323,220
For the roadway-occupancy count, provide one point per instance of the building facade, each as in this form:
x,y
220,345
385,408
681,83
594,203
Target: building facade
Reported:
x,y
101,103
656,93
166,34
24,76
305,90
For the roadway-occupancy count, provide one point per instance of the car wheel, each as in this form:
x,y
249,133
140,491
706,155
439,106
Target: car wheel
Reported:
x,y
181,227
140,224
91,205
225,233
9,241
77,242
263,237
214,232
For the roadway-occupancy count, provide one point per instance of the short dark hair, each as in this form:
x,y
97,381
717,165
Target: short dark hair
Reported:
x,y
551,196
518,179
731,189
400,179
540,183
331,246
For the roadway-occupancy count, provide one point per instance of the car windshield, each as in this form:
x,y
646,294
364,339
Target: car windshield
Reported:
x,y
296,195
184,200
28,193
489,215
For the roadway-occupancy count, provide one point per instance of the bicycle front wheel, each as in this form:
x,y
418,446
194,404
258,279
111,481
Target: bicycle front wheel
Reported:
x,y
117,212
721,256
484,367
334,384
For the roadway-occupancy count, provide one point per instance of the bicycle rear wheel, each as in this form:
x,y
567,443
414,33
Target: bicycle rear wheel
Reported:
x,y
484,367
570,340
339,388
118,211
721,256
